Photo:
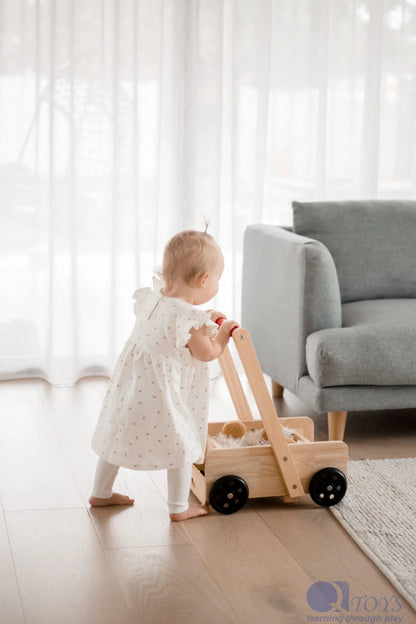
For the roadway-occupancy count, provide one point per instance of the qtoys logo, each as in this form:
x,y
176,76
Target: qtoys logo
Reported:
x,y
334,601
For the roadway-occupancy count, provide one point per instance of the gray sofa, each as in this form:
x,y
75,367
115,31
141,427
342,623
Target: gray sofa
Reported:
x,y
331,305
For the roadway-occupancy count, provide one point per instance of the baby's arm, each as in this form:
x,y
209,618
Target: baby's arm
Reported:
x,y
205,349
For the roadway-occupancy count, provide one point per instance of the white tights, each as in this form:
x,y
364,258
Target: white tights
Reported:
x,y
179,484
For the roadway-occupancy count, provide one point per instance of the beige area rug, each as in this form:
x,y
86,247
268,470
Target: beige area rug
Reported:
x,y
379,513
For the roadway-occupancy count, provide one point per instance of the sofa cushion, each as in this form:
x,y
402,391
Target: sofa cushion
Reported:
x,y
373,244
376,346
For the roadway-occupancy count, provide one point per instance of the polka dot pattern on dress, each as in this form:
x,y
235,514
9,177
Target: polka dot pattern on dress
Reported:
x,y
155,413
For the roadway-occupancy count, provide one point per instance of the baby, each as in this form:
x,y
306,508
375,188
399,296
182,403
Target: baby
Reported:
x,y
155,413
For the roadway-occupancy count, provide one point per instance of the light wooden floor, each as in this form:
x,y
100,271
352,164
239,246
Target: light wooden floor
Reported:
x,y
61,562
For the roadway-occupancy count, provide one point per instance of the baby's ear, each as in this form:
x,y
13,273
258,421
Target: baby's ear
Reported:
x,y
201,279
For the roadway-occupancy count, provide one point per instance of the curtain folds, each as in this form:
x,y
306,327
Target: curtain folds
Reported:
x,y
122,122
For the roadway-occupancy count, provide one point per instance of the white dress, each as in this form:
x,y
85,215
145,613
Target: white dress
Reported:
x,y
155,413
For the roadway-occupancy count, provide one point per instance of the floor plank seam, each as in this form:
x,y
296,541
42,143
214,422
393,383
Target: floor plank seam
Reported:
x,y
237,621
58,438
313,547
31,509
282,544
19,593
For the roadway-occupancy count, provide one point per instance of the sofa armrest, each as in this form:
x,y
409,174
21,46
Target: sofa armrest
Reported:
x,y
290,290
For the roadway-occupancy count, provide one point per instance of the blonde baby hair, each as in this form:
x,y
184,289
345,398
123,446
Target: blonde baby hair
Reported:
x,y
188,254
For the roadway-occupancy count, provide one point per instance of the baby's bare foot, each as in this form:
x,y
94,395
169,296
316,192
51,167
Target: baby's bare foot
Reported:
x,y
192,512
115,499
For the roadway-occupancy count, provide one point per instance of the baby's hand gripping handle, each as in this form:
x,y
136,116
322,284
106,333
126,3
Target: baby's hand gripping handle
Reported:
x,y
220,321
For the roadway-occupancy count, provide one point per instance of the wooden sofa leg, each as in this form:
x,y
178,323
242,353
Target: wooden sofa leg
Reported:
x,y
336,425
277,390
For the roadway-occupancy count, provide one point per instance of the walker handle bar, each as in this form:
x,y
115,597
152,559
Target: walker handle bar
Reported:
x,y
220,321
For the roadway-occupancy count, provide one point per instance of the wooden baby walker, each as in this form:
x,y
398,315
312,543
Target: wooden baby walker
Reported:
x,y
285,467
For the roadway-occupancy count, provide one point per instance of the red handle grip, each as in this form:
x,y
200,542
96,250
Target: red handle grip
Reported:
x,y
220,321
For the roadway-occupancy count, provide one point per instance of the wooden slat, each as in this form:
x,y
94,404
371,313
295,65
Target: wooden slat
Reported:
x,y
198,485
235,388
267,411
257,465
302,424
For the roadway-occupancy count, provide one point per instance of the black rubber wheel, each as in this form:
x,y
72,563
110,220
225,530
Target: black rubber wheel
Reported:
x,y
327,487
228,494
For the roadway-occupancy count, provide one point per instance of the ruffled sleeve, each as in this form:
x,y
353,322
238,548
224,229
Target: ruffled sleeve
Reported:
x,y
140,297
193,319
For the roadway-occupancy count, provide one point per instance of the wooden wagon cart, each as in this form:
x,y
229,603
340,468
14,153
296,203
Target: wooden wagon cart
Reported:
x,y
288,468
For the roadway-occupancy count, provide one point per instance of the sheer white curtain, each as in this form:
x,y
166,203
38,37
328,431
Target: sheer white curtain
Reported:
x,y
123,121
